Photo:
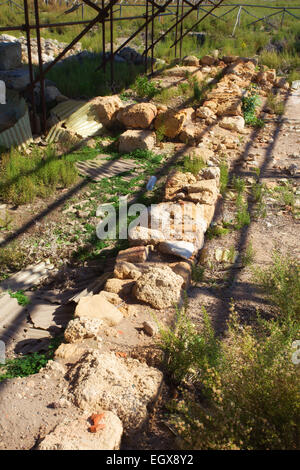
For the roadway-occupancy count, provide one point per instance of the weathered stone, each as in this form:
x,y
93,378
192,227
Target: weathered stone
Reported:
x,y
181,248
2,92
123,385
176,182
170,122
136,139
229,59
183,269
81,328
136,254
145,236
106,108
207,60
111,297
282,82
234,123
150,328
191,134
212,172
159,286
73,434
205,191
51,94
125,270
190,60
137,116
70,352
121,287
96,306
205,113
10,55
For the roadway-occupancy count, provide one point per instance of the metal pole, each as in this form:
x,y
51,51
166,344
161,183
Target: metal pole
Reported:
x,y
41,71
103,41
146,36
152,39
176,27
31,74
111,48
181,31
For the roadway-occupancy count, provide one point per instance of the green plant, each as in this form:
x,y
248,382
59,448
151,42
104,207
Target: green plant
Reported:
x,y
281,284
160,133
249,105
249,399
197,273
242,215
28,365
216,231
145,88
23,178
238,184
20,296
247,257
274,104
186,348
193,164
224,177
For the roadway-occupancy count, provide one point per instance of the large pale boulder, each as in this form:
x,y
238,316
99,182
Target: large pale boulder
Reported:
x,y
170,122
137,116
106,108
190,60
10,55
145,236
136,139
82,328
233,123
180,248
73,434
123,385
159,287
96,306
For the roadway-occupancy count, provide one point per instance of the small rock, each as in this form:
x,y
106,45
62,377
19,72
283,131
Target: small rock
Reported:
x,y
182,249
150,328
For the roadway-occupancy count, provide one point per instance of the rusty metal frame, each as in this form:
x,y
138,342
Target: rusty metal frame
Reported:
x,y
104,13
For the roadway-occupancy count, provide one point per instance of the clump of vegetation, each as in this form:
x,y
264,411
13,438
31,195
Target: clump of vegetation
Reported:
x,y
216,231
12,258
145,88
224,177
30,364
274,104
20,296
185,348
23,178
242,215
249,105
247,257
281,284
193,164
238,184
244,394
197,272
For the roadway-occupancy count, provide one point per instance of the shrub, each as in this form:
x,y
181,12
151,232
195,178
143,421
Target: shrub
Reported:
x,y
185,348
281,284
249,105
249,398
193,164
145,88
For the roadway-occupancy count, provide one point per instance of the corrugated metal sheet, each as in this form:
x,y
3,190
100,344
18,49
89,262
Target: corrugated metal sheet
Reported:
x,y
20,133
75,116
